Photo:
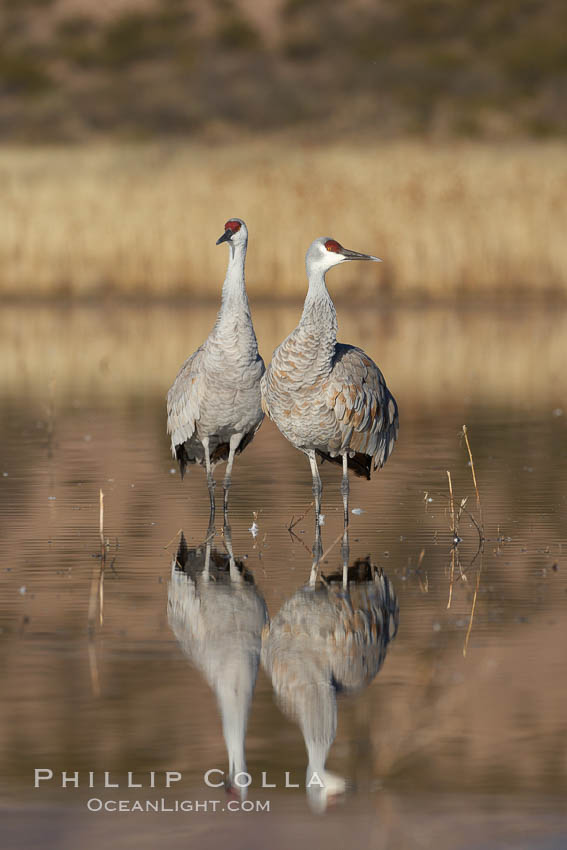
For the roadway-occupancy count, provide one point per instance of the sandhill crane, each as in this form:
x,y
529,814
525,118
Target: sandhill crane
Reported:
x,y
327,398
214,407
326,640
217,614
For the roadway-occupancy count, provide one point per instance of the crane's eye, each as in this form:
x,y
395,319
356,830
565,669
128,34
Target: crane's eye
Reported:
x,y
333,246
232,225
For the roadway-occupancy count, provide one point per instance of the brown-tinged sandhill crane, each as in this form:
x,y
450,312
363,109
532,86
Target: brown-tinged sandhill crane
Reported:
x,y
217,615
325,640
329,399
214,405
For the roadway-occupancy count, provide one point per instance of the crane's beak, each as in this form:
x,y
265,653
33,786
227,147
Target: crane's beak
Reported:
x,y
354,255
226,237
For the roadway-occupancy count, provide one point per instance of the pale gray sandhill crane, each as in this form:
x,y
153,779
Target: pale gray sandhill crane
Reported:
x,y
214,406
327,398
327,640
217,615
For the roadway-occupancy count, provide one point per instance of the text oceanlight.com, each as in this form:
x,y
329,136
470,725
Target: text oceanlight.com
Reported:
x,y
95,804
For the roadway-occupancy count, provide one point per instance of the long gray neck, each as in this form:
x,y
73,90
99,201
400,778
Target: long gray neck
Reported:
x,y
318,720
233,330
234,298
319,323
234,695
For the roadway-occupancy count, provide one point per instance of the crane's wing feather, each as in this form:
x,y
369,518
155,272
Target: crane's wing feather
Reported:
x,y
365,409
183,400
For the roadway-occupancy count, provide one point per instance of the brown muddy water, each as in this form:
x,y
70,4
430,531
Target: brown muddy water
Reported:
x,y
458,741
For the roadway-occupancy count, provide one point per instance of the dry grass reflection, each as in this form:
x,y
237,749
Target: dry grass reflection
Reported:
x,y
430,357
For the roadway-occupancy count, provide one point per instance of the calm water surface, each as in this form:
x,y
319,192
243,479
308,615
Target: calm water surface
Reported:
x,y
459,740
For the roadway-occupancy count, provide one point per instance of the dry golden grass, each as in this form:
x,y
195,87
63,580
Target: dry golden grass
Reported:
x,y
143,220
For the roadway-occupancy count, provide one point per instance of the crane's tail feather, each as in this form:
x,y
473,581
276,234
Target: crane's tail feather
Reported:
x,y
360,463
182,458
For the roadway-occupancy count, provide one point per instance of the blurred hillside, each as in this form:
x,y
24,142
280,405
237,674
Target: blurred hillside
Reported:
x,y
73,69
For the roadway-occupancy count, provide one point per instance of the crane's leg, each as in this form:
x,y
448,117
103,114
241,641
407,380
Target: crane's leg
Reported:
x,y
210,477
235,575
345,554
317,491
345,488
234,443
211,528
317,546
317,552
208,544
317,486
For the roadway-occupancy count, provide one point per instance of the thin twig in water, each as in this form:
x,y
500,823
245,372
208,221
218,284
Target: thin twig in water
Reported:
x,y
294,536
472,610
468,513
175,536
451,504
460,511
97,593
292,524
463,572
102,560
91,616
96,579
101,520
423,585
101,591
463,576
478,504
454,557
452,576
332,546
93,667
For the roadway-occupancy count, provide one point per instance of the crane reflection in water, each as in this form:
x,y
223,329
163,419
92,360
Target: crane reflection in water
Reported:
x,y
217,614
329,638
